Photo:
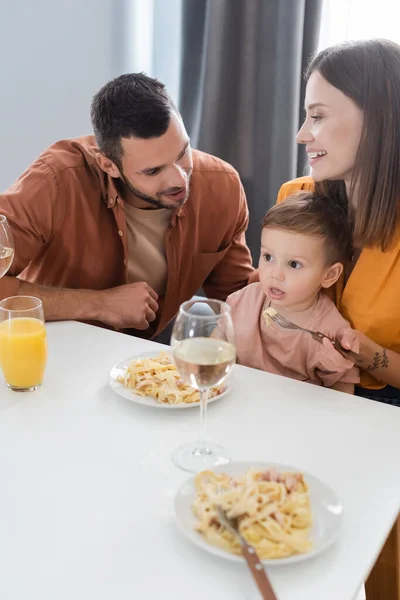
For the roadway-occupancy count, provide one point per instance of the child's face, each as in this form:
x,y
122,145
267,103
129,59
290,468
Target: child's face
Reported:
x,y
293,268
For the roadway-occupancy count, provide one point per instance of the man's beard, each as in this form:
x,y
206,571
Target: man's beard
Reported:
x,y
155,201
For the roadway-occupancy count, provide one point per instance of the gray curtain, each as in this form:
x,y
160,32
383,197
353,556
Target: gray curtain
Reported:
x,y
241,90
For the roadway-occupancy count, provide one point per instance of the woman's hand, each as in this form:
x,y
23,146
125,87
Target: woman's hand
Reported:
x,y
382,363
350,341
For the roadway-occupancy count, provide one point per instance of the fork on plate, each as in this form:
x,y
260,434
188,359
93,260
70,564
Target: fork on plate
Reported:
x,y
249,553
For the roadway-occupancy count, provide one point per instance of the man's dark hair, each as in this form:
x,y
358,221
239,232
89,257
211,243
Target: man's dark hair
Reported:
x,y
132,105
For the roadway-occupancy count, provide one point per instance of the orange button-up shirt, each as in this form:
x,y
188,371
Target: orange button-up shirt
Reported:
x,y
69,229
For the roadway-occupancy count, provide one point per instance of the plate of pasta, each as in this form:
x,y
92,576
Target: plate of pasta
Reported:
x,y
286,514
151,379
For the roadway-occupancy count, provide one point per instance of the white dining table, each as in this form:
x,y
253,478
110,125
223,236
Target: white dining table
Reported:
x,y
88,485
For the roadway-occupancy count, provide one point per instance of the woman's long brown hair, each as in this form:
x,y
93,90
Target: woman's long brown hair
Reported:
x,y
368,72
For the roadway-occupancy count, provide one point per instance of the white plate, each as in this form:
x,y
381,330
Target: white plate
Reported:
x,y
119,369
327,512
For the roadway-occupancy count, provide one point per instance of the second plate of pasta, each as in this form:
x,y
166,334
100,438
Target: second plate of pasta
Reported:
x,y
288,515
151,379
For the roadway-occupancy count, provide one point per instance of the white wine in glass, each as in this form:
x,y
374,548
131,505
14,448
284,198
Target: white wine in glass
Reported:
x,y
6,246
204,352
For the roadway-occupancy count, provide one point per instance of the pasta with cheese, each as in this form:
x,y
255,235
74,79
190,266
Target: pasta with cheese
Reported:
x,y
268,313
158,378
273,511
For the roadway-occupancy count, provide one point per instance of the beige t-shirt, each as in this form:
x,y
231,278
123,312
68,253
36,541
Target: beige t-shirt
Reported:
x,y
293,354
146,248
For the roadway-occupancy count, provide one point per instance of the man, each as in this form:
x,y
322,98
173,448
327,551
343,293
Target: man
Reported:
x,y
107,228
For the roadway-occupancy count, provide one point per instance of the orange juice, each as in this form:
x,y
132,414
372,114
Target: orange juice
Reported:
x,y
23,351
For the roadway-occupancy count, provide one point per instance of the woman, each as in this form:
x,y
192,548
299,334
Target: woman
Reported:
x,y
352,137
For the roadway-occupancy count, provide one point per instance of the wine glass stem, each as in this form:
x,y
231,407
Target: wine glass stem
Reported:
x,y
203,417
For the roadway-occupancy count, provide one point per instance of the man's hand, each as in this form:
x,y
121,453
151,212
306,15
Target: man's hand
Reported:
x,y
132,305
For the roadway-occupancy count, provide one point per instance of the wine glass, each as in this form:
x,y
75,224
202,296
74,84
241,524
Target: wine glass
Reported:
x,y
204,351
6,246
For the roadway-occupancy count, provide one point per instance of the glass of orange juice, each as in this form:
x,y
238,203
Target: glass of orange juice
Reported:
x,y
23,344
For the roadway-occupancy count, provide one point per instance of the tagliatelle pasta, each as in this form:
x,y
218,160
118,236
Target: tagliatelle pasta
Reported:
x,y
273,511
268,313
157,377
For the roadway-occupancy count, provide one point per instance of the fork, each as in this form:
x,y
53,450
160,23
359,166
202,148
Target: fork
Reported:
x,y
249,553
316,335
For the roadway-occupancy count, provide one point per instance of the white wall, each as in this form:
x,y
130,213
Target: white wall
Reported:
x,y
54,55
359,19
153,42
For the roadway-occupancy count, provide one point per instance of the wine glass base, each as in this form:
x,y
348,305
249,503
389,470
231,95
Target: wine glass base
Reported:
x,y
191,457
31,388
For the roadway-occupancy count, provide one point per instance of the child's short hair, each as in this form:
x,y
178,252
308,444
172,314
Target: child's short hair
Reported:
x,y
309,213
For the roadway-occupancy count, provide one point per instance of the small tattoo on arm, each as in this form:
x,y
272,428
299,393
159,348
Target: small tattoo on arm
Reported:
x,y
380,361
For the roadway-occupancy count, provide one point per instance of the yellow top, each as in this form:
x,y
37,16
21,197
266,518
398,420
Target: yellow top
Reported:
x,y
371,298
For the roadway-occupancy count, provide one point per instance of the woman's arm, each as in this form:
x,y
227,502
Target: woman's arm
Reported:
x,y
383,363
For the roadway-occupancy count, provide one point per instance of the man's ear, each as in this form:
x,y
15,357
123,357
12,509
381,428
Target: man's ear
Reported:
x,y
107,165
332,274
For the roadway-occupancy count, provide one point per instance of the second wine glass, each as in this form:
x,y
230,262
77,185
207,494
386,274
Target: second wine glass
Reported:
x,y
204,352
